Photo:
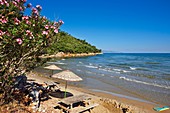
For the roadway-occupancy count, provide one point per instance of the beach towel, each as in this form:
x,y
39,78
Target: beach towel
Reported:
x,y
161,108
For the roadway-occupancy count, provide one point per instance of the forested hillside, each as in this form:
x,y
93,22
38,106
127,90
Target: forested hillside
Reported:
x,y
64,42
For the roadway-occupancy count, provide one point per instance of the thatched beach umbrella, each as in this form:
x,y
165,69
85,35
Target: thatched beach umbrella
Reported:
x,y
52,67
67,75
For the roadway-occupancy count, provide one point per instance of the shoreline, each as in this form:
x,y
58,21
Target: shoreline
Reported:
x,y
134,105
68,55
122,74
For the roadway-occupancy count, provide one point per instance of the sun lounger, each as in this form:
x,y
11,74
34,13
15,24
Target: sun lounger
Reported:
x,y
52,86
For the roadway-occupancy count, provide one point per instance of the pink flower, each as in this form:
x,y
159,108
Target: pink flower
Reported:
x,y
4,2
35,11
1,2
16,21
52,27
55,23
20,8
17,1
56,30
3,20
28,22
45,33
19,41
1,33
25,17
14,3
29,33
7,4
46,26
24,1
60,21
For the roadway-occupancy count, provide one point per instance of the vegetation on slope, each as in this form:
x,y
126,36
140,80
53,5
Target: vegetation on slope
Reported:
x,y
64,42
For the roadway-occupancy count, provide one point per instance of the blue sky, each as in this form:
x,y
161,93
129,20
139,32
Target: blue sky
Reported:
x,y
117,25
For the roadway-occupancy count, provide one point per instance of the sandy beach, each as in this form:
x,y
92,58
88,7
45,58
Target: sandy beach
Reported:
x,y
107,102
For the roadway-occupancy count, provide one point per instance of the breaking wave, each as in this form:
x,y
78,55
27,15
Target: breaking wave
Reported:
x,y
90,66
146,83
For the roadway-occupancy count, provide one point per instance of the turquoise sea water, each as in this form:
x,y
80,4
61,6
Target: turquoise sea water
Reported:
x,y
139,76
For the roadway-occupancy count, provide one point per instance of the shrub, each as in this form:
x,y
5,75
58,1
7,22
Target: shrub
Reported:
x,y
22,40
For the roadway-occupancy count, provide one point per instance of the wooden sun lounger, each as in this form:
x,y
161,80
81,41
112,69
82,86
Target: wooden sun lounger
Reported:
x,y
52,85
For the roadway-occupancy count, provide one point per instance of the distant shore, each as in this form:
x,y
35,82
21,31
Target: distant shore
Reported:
x,y
65,55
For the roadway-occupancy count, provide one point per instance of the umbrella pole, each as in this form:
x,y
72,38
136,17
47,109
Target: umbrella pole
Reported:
x,y
52,73
65,90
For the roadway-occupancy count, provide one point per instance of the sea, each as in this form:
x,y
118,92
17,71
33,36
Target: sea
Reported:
x,y
139,76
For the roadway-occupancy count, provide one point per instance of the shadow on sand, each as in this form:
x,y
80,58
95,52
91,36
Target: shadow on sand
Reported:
x,y
60,94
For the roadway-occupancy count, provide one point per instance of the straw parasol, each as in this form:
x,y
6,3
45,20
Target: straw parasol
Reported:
x,y
67,75
52,67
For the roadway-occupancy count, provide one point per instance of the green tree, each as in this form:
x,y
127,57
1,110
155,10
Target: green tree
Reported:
x,y
69,44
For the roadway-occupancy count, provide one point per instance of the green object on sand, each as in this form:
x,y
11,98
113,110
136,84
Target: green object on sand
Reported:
x,y
161,108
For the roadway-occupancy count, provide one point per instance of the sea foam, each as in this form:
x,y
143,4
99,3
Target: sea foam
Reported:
x,y
146,83
132,68
90,66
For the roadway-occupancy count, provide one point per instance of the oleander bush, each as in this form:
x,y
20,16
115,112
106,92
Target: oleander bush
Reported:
x,y
22,39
